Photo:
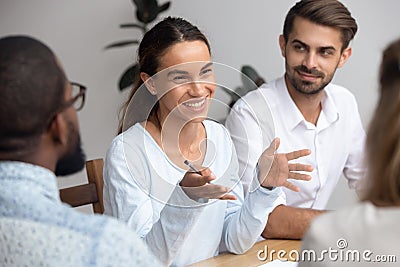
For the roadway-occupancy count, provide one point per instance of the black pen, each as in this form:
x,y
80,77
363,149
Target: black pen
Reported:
x,y
190,165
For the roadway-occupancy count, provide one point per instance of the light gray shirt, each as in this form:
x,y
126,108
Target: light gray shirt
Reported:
x,y
36,229
361,235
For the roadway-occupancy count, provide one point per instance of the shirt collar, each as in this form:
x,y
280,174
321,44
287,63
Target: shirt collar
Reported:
x,y
288,106
329,107
36,175
329,110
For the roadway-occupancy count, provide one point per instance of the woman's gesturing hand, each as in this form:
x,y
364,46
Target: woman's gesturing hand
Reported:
x,y
198,186
274,169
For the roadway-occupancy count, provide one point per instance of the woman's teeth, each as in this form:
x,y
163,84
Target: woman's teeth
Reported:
x,y
195,104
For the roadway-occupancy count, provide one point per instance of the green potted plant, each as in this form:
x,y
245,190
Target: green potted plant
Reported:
x,y
147,11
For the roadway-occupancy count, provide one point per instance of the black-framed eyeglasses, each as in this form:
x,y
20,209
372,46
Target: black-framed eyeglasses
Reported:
x,y
77,100
78,96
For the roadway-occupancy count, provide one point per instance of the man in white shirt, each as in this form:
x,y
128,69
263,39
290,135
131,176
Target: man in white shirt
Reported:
x,y
307,111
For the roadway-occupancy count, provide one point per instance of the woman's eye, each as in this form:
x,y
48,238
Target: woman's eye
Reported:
x,y
181,79
206,71
205,74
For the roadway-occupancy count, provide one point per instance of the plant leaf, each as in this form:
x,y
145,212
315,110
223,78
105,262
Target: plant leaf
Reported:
x,y
147,10
128,77
131,25
164,7
139,3
250,78
250,72
122,43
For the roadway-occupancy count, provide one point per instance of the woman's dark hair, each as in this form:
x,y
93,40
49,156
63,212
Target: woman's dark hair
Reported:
x,y
32,88
155,42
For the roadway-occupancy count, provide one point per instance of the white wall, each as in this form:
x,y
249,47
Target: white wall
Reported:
x,y
240,32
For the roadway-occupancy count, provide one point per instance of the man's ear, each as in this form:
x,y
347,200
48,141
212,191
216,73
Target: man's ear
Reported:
x,y
58,130
149,82
345,56
282,45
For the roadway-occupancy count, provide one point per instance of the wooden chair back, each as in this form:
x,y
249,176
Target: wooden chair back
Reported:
x,y
90,193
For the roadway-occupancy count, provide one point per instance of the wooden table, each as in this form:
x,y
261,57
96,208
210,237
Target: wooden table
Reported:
x,y
251,257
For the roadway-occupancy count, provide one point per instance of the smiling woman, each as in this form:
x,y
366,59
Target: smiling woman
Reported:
x,y
153,58
184,90
187,85
146,181
180,91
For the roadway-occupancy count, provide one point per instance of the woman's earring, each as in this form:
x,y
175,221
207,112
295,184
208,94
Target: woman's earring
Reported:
x,y
153,92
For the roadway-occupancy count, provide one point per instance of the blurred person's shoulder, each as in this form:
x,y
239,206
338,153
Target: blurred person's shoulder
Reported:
x,y
102,242
362,226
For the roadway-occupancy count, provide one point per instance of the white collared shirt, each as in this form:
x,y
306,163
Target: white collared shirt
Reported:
x,y
336,142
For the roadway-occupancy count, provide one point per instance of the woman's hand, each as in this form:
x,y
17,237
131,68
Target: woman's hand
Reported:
x,y
275,169
197,186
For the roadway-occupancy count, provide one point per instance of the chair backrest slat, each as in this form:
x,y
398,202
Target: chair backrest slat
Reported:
x,y
94,170
79,195
90,193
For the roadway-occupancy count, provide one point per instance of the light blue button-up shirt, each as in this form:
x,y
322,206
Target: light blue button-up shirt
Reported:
x,y
36,229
